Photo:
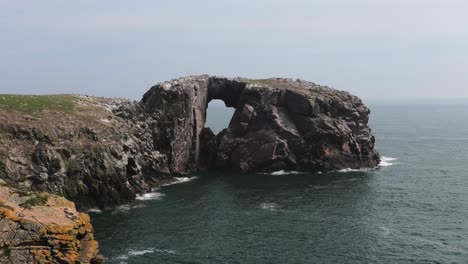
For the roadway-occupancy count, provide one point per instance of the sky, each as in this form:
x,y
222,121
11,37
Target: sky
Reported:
x,y
376,49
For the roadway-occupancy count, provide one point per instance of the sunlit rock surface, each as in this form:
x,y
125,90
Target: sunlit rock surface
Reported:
x,y
43,228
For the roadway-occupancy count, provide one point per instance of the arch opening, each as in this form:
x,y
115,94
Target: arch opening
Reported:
x,y
218,115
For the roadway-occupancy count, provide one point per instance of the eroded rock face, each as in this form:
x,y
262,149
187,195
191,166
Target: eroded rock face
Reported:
x,y
99,155
104,152
279,124
43,228
179,108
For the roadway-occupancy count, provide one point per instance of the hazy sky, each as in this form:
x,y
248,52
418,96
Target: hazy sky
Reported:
x,y
376,49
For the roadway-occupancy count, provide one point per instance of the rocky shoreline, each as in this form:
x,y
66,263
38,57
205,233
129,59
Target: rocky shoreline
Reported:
x,y
105,151
102,153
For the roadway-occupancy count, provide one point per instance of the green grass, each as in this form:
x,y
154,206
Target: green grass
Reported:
x,y
2,205
34,201
32,104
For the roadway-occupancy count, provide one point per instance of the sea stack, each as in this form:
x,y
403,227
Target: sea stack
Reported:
x,y
278,124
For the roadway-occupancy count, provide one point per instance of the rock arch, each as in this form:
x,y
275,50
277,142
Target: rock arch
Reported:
x,y
278,124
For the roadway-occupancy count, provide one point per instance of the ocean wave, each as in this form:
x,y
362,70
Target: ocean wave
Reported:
x,y
122,208
135,252
386,230
283,172
125,208
179,180
386,161
94,210
269,206
356,170
150,196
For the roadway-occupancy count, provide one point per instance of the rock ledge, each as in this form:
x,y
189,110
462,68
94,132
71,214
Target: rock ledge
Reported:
x,y
43,228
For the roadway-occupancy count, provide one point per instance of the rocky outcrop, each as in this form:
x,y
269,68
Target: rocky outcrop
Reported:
x,y
101,152
278,124
43,228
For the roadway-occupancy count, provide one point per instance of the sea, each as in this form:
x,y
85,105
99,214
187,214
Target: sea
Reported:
x,y
412,209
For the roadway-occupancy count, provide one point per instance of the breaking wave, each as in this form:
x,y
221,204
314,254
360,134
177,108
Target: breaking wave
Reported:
x,y
282,172
269,206
356,170
386,161
150,196
134,253
179,180
94,210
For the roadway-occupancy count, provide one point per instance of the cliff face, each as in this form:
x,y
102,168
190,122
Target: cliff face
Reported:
x,y
101,152
43,228
97,152
279,124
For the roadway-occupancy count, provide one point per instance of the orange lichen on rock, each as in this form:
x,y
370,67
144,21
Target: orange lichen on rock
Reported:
x,y
53,232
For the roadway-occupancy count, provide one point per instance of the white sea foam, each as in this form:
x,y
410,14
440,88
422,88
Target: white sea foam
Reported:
x,y
150,196
269,206
384,162
356,170
94,210
387,161
179,180
282,172
135,252
123,208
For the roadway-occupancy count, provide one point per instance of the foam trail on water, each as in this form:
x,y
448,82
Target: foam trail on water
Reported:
x,y
94,210
354,170
282,172
269,206
150,196
386,161
122,209
136,252
179,180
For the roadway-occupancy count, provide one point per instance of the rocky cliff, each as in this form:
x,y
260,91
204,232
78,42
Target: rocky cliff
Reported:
x,y
278,124
102,152
43,228
96,152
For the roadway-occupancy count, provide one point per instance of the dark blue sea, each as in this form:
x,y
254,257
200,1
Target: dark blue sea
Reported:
x,y
413,209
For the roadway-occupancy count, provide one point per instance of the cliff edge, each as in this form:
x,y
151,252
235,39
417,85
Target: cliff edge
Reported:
x,y
101,152
43,228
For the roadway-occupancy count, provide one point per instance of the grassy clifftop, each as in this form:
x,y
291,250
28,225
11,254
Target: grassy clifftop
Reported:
x,y
34,104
